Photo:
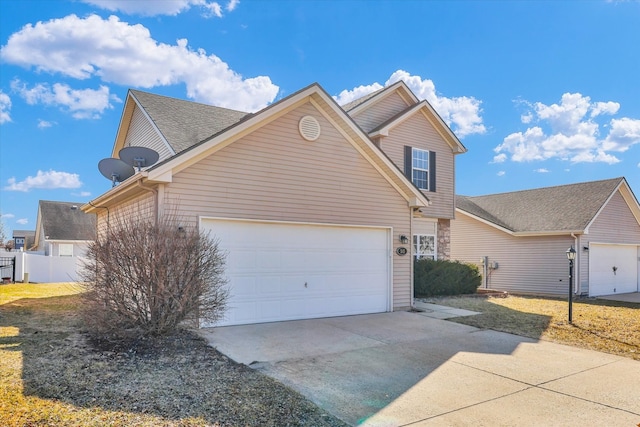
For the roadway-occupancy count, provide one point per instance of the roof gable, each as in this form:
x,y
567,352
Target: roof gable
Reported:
x,y
430,114
365,102
64,221
561,209
163,171
180,123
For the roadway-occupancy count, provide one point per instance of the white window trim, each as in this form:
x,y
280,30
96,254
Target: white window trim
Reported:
x,y
415,168
416,249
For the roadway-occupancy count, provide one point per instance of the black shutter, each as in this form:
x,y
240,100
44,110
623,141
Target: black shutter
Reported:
x,y
408,161
432,171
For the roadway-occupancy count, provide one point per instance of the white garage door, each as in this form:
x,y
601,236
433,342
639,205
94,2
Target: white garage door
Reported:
x,y
287,271
603,280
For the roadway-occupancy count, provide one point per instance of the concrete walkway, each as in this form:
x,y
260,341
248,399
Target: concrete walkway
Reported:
x,y
401,368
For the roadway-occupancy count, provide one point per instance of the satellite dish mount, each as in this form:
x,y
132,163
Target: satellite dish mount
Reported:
x,y
139,157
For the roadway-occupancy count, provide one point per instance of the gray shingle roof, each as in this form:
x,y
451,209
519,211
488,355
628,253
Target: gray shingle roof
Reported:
x,y
60,222
186,123
562,208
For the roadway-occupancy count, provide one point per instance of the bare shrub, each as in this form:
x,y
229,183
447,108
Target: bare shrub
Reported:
x,y
146,277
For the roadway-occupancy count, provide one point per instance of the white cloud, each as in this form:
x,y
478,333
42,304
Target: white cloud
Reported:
x,y
604,108
164,7
500,158
347,96
82,194
461,113
231,6
526,118
22,221
43,124
5,107
501,173
45,180
127,55
213,9
82,104
7,216
569,131
541,170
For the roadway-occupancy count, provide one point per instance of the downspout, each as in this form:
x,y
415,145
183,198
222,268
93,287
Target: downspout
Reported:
x,y
411,259
576,269
155,197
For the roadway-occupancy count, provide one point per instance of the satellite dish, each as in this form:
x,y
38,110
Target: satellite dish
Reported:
x,y
115,169
138,156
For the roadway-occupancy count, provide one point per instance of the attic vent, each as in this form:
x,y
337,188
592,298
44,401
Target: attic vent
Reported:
x,y
309,128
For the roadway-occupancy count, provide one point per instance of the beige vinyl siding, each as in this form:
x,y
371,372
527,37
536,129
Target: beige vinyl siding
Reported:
x,y
614,224
274,174
418,132
380,112
142,133
142,206
533,265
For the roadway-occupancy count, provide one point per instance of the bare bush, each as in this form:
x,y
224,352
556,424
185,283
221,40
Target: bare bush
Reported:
x,y
145,278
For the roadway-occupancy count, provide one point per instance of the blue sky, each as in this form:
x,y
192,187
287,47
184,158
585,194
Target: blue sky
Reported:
x,y
541,93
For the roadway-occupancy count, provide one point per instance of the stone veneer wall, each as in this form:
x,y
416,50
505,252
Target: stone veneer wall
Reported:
x,y
444,239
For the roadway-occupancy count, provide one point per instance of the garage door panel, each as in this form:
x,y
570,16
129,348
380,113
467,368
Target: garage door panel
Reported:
x,y
346,270
603,280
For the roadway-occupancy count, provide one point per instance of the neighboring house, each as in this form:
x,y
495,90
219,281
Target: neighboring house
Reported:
x,y
23,239
523,237
62,229
320,208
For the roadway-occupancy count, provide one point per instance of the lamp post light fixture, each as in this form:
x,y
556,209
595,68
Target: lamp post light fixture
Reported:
x,y
571,255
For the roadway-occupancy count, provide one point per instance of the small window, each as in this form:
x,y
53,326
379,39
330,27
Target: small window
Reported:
x,y
420,168
66,249
424,246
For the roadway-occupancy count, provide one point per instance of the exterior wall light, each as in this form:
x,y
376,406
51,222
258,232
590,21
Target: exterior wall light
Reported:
x,y
404,239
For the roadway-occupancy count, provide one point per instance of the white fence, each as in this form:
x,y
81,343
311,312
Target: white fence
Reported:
x,y
45,269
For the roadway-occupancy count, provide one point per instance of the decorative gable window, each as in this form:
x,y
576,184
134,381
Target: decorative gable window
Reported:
x,y
420,168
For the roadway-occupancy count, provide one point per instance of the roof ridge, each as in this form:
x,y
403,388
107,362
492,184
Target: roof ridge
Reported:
x,y
549,187
134,91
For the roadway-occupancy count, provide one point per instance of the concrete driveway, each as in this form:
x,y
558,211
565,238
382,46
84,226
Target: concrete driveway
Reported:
x,y
402,368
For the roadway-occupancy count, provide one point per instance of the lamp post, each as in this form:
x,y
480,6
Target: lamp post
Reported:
x,y
571,255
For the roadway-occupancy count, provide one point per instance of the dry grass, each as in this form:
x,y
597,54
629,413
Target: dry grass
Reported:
x,y
607,326
51,374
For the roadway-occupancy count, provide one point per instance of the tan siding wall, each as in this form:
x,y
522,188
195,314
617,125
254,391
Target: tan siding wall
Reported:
x,y
273,174
142,134
419,133
615,224
535,265
380,112
140,207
